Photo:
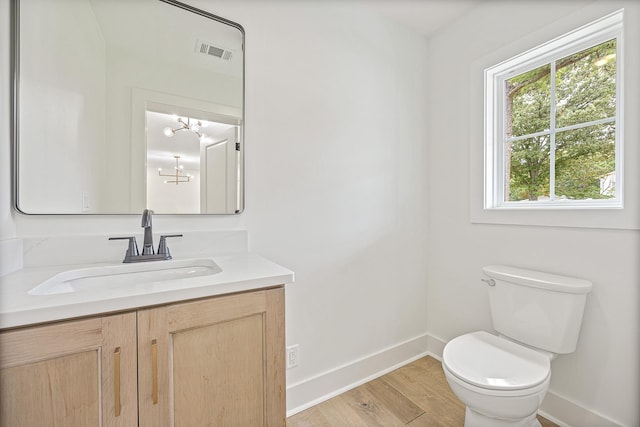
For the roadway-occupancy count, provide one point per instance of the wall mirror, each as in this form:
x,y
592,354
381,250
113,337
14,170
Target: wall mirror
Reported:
x,y
125,105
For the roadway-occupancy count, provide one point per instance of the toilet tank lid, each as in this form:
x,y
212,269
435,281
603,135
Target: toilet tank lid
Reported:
x,y
538,279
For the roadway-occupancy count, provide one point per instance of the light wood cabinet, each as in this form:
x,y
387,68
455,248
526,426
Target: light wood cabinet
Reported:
x,y
78,373
215,362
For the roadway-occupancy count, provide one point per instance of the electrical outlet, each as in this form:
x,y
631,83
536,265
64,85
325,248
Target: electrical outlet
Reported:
x,y
293,356
86,201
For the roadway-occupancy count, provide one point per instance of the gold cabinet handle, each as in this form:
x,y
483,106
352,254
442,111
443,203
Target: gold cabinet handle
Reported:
x,y
154,370
116,380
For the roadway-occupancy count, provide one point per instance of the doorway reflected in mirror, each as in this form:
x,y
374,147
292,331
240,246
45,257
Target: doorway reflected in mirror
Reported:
x,y
197,158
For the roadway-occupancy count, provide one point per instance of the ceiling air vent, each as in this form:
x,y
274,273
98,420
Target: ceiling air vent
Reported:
x,y
209,49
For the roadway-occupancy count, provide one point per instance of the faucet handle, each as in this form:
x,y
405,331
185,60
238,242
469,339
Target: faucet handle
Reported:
x,y
133,246
163,249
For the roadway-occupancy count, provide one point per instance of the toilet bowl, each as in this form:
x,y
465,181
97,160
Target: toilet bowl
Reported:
x,y
501,383
502,379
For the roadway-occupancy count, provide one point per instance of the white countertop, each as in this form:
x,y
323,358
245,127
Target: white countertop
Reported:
x,y
240,272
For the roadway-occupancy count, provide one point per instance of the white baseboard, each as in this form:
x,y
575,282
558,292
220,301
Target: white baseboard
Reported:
x,y
319,388
567,413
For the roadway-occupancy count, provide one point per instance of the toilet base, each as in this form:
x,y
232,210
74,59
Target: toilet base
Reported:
x,y
476,419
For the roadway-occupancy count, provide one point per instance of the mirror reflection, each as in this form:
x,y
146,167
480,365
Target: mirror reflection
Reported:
x,y
190,160
127,105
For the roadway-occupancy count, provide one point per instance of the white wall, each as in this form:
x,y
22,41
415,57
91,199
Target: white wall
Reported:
x,y
603,374
336,185
335,176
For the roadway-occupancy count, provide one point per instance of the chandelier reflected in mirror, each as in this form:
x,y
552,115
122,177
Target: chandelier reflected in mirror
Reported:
x,y
188,124
177,176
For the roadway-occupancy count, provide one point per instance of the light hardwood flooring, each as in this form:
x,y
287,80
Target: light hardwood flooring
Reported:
x,y
415,395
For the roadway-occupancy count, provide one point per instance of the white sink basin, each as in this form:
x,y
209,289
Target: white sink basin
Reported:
x,y
87,279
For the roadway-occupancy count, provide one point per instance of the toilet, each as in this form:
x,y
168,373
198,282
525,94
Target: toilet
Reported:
x,y
502,378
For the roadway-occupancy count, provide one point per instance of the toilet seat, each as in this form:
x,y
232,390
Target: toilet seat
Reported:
x,y
489,362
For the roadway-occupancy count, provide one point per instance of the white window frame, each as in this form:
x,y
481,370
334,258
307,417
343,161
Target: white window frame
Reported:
x,y
585,37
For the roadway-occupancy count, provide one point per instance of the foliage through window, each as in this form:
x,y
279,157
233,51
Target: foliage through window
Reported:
x,y
553,123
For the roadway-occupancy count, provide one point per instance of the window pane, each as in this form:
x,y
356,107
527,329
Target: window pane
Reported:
x,y
527,166
585,163
586,85
528,102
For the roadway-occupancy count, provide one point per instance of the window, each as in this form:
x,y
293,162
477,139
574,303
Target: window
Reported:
x,y
553,129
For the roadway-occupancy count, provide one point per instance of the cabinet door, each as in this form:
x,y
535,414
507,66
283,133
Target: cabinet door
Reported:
x,y
213,362
70,374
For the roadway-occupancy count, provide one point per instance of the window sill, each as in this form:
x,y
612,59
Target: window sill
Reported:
x,y
551,216
567,218
553,206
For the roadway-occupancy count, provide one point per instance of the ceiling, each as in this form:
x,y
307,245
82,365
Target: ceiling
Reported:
x,y
423,16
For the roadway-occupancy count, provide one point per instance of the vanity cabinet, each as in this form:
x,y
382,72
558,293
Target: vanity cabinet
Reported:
x,y
216,361
70,374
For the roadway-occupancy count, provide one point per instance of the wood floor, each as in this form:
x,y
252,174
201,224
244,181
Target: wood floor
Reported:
x,y
415,395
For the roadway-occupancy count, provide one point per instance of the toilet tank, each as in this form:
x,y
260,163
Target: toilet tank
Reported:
x,y
538,309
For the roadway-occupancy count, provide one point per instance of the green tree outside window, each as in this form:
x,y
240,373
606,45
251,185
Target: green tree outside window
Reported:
x,y
560,128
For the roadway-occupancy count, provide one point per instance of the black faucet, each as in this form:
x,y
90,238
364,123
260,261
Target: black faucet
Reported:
x,y
132,254
147,246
